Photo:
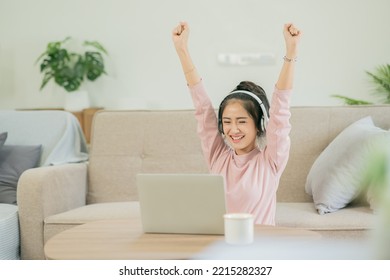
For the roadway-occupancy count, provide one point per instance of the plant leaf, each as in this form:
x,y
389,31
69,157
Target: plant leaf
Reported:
x,y
351,101
381,78
96,45
46,78
94,65
68,78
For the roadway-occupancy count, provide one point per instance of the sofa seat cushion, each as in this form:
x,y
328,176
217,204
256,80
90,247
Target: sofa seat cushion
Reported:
x,y
89,213
304,215
9,232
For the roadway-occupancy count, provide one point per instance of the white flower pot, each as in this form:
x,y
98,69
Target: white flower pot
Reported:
x,y
76,101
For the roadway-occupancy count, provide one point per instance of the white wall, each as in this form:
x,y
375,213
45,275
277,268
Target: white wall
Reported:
x,y
342,39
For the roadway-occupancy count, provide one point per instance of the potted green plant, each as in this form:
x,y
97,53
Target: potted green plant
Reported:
x,y
70,69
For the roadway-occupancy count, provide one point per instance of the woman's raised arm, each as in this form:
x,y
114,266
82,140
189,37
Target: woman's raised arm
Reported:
x,y
292,36
180,36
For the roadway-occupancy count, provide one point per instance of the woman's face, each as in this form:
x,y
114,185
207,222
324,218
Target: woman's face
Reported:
x,y
239,128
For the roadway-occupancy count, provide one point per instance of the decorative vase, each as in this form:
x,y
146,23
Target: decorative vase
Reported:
x,y
76,101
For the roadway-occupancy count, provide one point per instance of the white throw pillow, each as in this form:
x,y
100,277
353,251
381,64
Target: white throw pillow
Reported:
x,y
335,178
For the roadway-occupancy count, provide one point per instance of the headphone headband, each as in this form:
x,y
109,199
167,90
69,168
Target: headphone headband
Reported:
x,y
264,119
250,94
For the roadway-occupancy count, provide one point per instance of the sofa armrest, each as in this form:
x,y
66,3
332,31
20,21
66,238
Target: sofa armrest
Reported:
x,y
43,192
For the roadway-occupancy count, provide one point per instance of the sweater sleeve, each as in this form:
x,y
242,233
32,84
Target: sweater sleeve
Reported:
x,y
207,124
278,130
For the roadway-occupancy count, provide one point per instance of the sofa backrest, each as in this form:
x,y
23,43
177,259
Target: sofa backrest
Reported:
x,y
124,143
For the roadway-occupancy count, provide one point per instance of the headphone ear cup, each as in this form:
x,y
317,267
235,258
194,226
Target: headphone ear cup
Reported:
x,y
264,118
262,124
220,127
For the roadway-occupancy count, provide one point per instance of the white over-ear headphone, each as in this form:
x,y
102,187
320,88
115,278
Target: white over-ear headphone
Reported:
x,y
264,119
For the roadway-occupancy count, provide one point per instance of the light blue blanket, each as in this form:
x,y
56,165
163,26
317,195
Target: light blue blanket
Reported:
x,y
58,132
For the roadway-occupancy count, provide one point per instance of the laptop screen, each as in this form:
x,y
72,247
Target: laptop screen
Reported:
x,y
182,203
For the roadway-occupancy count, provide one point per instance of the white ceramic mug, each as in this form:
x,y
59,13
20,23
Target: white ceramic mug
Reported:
x,y
239,228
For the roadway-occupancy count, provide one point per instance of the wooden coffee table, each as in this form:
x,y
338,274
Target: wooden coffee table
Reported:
x,y
124,239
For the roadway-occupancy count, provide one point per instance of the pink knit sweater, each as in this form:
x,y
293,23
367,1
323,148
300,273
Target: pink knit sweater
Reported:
x,y
251,180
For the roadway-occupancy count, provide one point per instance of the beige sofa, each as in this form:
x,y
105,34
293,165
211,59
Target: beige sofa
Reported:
x,y
124,143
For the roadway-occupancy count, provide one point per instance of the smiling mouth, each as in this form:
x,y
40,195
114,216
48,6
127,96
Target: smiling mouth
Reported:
x,y
236,139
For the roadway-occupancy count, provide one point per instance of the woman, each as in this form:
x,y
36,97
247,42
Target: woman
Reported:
x,y
230,140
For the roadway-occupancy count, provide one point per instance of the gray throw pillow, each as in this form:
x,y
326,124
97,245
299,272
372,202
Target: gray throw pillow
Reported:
x,y
14,160
3,137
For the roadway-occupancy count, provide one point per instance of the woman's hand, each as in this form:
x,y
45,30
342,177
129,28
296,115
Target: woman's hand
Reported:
x,y
292,36
180,36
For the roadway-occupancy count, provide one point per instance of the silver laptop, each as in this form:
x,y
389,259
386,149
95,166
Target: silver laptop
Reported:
x,y
182,203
